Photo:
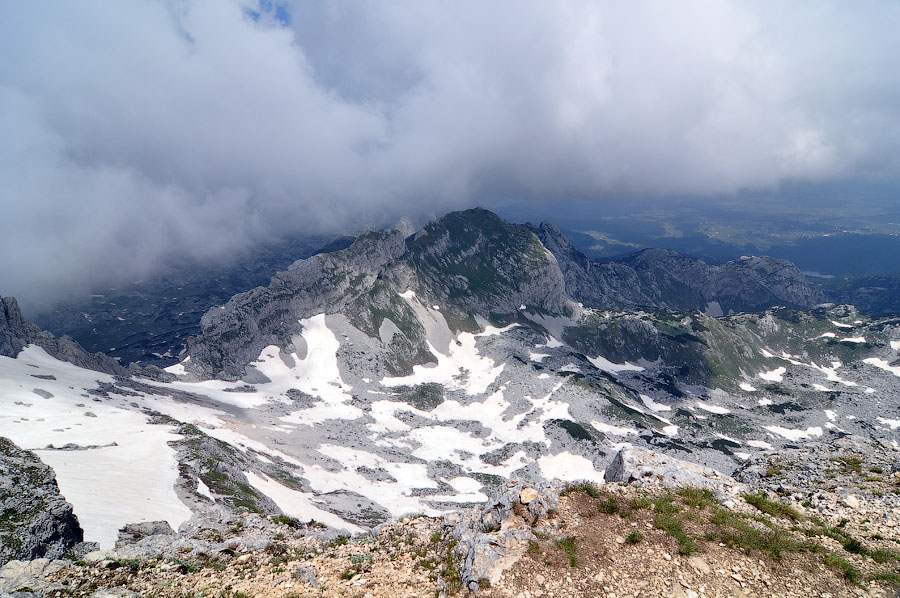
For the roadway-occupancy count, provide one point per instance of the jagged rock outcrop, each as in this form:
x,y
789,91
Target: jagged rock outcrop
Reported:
x,y
479,262
16,334
133,532
661,278
35,520
492,539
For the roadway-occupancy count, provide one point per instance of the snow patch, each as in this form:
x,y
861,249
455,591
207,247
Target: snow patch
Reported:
x,y
893,423
601,363
462,368
746,387
177,369
881,363
611,430
203,490
712,408
551,343
297,504
760,444
653,405
795,434
131,476
671,430
776,375
568,468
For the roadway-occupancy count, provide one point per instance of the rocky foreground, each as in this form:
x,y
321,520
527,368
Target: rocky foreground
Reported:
x,y
817,521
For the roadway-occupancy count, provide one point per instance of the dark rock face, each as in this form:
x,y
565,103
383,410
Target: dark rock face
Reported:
x,y
12,328
661,278
16,334
35,520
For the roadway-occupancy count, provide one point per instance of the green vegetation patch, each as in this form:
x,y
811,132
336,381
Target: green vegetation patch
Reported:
x,y
569,546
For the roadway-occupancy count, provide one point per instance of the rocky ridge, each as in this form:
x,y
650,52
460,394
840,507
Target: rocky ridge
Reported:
x,y
661,278
16,333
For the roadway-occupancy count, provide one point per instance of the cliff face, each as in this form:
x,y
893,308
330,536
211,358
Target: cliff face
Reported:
x,y
35,520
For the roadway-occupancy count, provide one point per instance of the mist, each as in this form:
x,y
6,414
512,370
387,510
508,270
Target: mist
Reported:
x,y
138,133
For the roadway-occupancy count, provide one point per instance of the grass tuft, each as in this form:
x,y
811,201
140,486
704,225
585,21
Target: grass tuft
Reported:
x,y
587,487
569,547
672,525
697,498
771,507
849,572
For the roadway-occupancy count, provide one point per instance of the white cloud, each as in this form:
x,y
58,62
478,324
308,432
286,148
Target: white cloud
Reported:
x,y
135,130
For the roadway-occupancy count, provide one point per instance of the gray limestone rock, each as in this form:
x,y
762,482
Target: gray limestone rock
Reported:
x,y
16,575
35,520
133,532
638,465
494,538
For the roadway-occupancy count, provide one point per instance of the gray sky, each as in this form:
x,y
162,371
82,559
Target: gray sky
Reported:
x,y
132,131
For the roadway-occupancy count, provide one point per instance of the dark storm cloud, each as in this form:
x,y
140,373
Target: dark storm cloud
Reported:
x,y
135,131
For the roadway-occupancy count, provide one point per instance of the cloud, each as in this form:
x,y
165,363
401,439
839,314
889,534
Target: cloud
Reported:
x,y
136,132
